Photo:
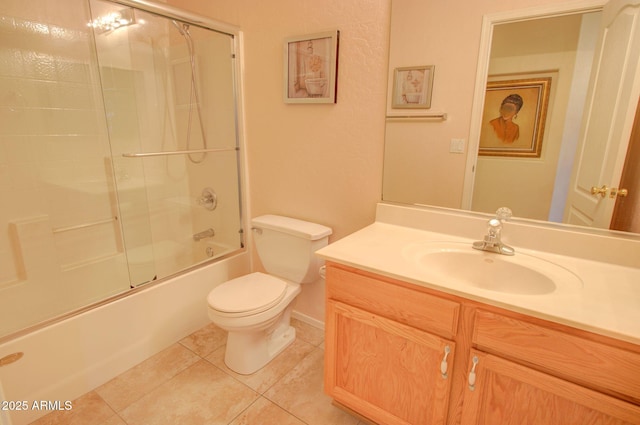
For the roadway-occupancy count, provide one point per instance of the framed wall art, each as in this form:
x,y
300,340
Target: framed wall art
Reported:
x,y
514,117
412,87
311,68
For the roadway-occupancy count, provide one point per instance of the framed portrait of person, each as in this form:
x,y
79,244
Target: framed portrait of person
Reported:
x,y
514,117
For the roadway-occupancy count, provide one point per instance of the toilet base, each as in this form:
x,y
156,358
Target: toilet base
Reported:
x,y
248,352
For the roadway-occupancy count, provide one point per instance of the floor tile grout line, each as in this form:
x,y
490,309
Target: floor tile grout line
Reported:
x,y
113,409
205,357
314,343
258,395
245,409
282,377
261,394
121,418
155,387
285,409
285,374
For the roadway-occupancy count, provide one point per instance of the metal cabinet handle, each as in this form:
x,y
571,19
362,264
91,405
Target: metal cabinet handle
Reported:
x,y
443,364
472,374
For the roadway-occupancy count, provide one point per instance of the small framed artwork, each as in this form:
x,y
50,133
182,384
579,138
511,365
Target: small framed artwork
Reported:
x,y
311,68
412,87
514,117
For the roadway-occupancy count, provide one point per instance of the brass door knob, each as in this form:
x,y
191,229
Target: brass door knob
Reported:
x,y
618,192
602,191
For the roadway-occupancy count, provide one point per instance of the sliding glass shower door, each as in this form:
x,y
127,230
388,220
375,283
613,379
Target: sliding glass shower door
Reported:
x,y
118,152
170,105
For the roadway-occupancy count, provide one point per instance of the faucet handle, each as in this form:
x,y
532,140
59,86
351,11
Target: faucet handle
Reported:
x,y
495,223
503,214
493,231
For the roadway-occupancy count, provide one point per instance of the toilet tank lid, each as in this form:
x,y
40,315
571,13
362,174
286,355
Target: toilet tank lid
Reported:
x,y
292,226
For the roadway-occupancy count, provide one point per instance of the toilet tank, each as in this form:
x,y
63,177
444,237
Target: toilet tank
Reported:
x,y
286,246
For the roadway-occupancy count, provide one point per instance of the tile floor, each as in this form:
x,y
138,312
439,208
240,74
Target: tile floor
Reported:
x,y
189,384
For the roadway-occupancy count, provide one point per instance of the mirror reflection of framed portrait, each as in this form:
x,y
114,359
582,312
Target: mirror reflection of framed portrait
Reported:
x,y
514,116
412,87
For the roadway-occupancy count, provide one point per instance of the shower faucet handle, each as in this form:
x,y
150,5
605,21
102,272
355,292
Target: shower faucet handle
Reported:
x,y
209,199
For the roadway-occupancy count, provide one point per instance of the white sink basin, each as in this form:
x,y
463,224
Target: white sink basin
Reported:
x,y
457,262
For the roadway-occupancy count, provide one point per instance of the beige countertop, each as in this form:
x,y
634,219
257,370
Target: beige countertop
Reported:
x,y
605,301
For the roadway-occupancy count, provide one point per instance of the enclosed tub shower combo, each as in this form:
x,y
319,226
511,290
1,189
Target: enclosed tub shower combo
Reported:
x,y
119,154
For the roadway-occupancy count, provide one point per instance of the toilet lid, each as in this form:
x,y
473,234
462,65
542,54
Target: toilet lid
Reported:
x,y
253,293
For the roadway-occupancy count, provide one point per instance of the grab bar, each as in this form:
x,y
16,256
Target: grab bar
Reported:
x,y
82,226
145,154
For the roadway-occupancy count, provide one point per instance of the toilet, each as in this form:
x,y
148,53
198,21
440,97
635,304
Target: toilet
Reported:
x,y
256,308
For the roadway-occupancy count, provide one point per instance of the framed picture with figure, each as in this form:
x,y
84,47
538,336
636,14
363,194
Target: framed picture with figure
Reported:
x,y
514,117
311,68
412,87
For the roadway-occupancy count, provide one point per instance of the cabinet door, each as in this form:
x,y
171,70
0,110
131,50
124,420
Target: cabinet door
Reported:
x,y
387,371
506,393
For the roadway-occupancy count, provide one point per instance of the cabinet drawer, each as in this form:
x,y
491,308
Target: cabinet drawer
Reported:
x,y
588,363
390,300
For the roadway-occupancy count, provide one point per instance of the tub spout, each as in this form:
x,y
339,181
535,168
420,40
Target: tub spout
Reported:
x,y
209,233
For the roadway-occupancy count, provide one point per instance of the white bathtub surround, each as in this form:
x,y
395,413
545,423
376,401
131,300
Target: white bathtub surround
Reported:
x,y
609,267
71,357
4,415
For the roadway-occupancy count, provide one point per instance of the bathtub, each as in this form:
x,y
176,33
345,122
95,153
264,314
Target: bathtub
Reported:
x,y
69,358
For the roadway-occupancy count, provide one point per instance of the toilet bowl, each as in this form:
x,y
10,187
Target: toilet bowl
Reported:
x,y
256,308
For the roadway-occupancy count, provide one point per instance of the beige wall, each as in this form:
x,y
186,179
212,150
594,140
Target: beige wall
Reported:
x,y
324,162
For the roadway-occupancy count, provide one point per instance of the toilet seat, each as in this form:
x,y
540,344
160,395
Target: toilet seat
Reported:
x,y
247,295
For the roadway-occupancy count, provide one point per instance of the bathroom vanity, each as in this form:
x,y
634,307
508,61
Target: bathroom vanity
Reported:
x,y
406,345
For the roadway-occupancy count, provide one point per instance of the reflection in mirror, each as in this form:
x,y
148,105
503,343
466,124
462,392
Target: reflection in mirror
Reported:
x,y
559,50
564,49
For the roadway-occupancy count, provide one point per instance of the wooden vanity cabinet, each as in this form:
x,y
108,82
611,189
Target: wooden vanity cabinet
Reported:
x,y
506,393
387,355
529,373
385,340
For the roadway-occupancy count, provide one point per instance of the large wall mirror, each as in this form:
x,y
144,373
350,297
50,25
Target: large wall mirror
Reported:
x,y
565,80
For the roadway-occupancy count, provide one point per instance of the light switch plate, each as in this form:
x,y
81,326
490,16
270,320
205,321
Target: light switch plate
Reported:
x,y
456,146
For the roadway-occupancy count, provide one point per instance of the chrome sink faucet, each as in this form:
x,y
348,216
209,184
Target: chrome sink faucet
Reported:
x,y
492,240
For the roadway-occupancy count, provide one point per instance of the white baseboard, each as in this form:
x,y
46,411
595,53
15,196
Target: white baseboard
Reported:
x,y
308,320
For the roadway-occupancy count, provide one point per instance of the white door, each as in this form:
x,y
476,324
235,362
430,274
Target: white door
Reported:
x,y
610,110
